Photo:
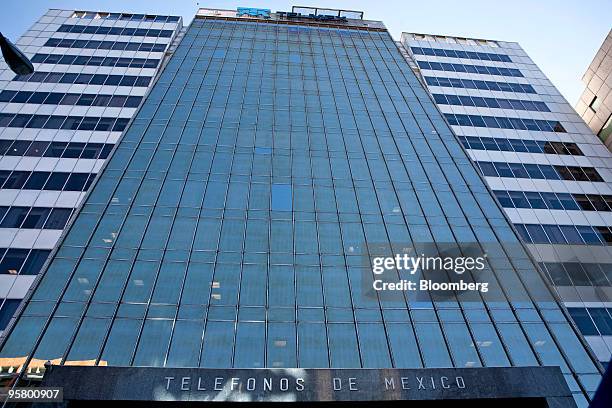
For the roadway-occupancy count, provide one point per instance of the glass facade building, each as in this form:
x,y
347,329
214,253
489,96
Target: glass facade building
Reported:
x,y
228,228
59,124
595,104
554,182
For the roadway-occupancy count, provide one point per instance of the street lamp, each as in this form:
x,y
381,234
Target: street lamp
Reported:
x,y
16,60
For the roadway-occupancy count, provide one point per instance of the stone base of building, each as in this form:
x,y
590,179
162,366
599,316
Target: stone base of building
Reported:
x,y
533,386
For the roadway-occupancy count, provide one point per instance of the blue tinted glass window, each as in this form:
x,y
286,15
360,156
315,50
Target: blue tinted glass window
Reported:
x,y
281,197
583,321
7,309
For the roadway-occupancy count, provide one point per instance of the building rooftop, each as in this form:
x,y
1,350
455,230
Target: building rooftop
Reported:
x,y
452,39
298,15
96,15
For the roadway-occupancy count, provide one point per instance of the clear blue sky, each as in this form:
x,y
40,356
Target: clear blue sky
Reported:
x,y
561,36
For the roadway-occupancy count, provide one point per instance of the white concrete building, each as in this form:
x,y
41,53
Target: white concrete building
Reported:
x,y
548,170
59,124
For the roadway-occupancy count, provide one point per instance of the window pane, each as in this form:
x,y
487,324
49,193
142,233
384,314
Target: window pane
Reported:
x,y
8,309
374,348
343,345
153,343
461,345
250,345
87,344
281,197
281,350
313,345
121,342
186,343
432,345
218,345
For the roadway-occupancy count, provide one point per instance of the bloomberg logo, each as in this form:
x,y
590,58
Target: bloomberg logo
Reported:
x,y
252,12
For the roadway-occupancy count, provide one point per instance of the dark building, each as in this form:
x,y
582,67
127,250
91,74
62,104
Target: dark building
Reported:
x,y
595,104
225,251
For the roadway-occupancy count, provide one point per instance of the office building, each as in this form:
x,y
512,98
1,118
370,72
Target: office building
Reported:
x,y
595,104
58,125
544,165
224,252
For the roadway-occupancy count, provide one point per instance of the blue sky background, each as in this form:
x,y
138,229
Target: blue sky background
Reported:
x,y
561,36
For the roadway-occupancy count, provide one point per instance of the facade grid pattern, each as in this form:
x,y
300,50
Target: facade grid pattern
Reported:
x,y
58,125
229,227
516,165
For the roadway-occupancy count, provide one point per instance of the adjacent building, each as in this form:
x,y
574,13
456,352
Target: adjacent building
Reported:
x,y
59,124
224,251
595,104
548,170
